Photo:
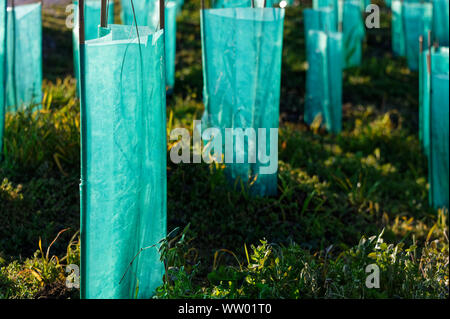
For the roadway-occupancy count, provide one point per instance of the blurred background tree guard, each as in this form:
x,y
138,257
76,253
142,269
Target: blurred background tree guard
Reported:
x,y
218,4
433,119
242,50
323,100
334,6
322,19
123,173
2,70
397,29
436,59
353,33
441,21
24,56
439,153
170,33
91,23
417,21
147,14
413,19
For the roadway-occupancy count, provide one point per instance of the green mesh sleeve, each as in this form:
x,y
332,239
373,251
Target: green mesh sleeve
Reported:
x,y
170,41
2,70
324,79
417,20
439,64
24,56
91,24
353,33
147,14
242,50
333,4
439,143
441,21
397,29
123,174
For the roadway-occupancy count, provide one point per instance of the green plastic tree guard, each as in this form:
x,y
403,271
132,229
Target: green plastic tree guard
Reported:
x,y
271,3
180,4
322,19
2,71
333,4
364,4
123,158
439,64
324,79
441,21
242,49
325,3
417,20
353,33
333,116
424,99
265,3
433,128
147,14
92,12
439,142
318,81
92,22
397,29
221,4
170,41
24,56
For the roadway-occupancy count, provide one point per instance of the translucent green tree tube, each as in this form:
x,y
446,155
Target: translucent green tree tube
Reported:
x,y
417,19
364,4
353,33
242,49
324,79
397,29
92,19
334,5
321,19
147,14
180,4
439,143
333,117
221,4
123,142
441,21
170,42
424,99
24,56
2,71
439,64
